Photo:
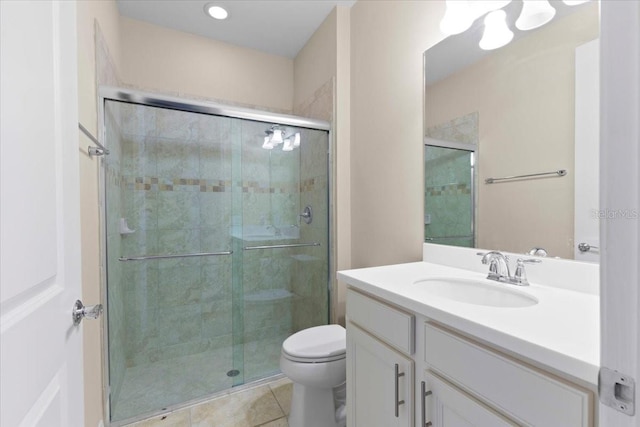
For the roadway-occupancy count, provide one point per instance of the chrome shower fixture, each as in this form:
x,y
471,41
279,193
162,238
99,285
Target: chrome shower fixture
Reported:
x,y
277,135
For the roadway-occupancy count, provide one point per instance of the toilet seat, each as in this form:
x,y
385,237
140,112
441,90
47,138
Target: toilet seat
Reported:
x,y
319,344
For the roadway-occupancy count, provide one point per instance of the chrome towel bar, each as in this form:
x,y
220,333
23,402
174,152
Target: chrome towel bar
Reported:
x,y
559,172
146,257
294,245
94,151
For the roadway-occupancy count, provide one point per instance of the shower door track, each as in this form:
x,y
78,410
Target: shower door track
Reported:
x,y
194,106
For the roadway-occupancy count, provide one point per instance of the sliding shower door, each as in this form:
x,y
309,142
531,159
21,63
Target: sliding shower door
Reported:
x,y
284,254
195,306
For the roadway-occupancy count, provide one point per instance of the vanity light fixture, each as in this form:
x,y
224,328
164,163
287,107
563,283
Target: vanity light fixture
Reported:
x,y
276,136
460,14
496,32
288,145
535,13
267,145
485,6
457,17
216,12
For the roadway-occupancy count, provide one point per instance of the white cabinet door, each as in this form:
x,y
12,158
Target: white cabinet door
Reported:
x,y
41,356
372,383
447,406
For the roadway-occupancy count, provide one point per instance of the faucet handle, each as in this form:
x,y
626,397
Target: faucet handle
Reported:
x,y
493,270
520,276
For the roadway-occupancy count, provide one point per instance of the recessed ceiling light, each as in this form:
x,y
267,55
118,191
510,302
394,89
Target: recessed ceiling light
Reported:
x,y
216,12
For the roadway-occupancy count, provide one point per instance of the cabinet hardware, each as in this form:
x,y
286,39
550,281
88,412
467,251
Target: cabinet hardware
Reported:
x,y
398,402
424,393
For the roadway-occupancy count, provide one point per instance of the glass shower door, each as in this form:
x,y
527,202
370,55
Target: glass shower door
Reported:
x,y
284,255
169,210
210,266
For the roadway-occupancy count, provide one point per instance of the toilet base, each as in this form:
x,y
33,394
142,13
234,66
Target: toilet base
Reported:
x,y
312,407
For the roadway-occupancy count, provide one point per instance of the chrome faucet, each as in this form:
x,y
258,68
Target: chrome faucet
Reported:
x,y
499,268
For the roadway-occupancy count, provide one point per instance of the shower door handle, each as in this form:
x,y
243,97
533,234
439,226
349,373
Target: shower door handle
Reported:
x,y
79,312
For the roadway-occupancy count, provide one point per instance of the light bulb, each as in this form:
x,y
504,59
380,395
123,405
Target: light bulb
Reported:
x,y
457,18
276,138
535,13
296,140
288,144
574,2
496,33
485,6
216,12
267,145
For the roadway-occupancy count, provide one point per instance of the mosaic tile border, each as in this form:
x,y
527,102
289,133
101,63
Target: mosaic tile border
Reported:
x,y
208,185
447,190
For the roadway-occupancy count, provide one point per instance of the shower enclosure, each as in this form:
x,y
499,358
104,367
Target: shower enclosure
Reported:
x,y
449,171
217,242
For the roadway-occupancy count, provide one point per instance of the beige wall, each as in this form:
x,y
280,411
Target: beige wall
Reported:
x,y
315,64
105,14
526,109
342,156
388,39
168,61
322,91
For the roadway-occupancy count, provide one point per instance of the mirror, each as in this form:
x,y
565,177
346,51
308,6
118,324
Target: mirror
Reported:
x,y
527,108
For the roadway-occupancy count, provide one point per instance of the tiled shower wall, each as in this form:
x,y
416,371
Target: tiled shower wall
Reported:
x,y
310,272
270,197
177,198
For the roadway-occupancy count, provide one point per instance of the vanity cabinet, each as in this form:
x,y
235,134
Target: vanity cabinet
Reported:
x,y
380,371
522,393
465,383
448,406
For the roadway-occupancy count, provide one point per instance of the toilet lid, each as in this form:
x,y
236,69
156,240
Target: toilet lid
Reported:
x,y
316,343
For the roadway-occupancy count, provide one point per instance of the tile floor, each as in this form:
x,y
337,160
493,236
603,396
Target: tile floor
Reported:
x,y
265,406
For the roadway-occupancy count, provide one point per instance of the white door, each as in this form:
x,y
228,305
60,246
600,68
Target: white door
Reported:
x,y
620,192
41,368
587,154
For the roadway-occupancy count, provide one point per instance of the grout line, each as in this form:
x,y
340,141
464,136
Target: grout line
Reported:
x,y
277,401
280,418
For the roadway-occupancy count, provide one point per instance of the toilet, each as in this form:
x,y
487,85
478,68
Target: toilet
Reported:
x,y
314,360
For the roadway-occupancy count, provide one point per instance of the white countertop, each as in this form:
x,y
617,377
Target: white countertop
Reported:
x,y
561,332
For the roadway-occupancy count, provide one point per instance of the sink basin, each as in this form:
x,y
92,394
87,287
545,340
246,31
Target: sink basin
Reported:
x,y
476,292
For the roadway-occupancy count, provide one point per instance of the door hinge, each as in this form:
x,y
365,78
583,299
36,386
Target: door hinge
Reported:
x,y
617,390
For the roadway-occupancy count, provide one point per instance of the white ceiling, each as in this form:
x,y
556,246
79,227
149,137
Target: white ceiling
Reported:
x,y
279,27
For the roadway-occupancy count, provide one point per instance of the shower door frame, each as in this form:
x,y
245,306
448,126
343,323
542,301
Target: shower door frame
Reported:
x,y
149,99
462,146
